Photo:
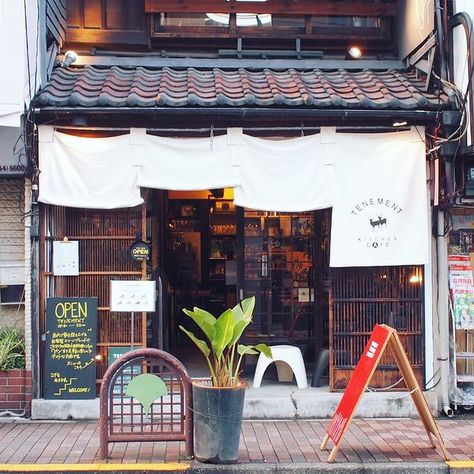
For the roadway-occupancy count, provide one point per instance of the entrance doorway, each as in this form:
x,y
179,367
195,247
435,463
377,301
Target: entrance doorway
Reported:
x,y
200,262
285,266
217,254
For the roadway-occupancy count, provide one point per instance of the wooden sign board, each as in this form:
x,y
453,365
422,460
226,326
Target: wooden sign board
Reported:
x,y
71,333
381,337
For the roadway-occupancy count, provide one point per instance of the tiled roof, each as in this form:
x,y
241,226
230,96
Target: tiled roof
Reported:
x,y
92,86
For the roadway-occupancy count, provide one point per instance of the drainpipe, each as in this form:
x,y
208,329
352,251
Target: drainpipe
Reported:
x,y
448,152
443,315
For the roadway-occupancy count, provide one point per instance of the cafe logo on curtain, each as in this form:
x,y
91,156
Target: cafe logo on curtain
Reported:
x,y
375,217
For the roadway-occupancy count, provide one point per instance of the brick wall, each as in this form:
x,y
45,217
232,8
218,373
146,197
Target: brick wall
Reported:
x,y
12,241
15,391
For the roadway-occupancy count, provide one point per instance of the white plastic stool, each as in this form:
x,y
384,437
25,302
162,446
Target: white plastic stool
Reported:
x,y
285,357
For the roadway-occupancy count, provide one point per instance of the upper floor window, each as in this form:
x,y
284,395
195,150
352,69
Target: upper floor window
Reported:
x,y
209,25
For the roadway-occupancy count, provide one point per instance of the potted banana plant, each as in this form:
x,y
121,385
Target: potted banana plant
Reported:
x,y
218,406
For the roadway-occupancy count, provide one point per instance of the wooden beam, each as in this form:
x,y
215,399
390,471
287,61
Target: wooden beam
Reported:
x,y
287,7
342,33
88,35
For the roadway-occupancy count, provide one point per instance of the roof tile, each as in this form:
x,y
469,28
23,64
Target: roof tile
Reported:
x,y
93,86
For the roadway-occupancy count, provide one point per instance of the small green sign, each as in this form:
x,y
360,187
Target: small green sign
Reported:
x,y
115,352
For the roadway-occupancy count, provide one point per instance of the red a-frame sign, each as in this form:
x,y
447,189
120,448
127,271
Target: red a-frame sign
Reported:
x,y
381,336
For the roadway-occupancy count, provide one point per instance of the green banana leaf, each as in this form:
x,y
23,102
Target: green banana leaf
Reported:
x,y
224,330
206,321
203,347
265,349
242,350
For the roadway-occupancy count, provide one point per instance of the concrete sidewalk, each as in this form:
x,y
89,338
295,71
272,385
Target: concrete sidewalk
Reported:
x,y
369,446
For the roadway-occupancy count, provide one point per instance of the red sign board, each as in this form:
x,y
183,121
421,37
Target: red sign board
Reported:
x,y
381,337
358,383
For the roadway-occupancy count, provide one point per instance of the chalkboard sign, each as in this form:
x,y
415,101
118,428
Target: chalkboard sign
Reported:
x,y
71,333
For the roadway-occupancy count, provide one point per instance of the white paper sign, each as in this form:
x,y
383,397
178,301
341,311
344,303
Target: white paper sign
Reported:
x,y
66,258
132,296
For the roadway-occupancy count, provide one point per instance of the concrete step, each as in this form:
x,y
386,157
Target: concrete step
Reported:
x,y
273,401
286,401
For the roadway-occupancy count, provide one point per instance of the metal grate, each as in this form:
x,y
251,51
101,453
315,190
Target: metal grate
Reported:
x,y
124,418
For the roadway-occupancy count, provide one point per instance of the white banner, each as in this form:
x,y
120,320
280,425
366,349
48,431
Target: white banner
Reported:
x,y
380,201
187,164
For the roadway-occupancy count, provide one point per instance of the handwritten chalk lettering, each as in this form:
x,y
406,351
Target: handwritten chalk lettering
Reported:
x,y
71,310
79,390
71,325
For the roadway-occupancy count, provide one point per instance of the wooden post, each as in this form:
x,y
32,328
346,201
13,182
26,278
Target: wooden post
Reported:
x,y
419,400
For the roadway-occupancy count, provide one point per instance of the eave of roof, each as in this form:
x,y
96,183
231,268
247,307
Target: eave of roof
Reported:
x,y
331,96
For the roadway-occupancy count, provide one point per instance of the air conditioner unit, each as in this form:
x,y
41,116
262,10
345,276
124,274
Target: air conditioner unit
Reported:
x,y
12,295
12,273
12,283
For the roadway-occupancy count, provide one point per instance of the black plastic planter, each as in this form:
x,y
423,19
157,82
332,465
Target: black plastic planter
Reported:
x,y
217,423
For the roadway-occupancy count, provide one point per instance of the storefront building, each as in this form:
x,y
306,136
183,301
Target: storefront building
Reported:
x,y
268,171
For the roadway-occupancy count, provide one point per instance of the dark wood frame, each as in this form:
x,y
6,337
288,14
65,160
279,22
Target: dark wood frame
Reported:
x,y
154,34
300,7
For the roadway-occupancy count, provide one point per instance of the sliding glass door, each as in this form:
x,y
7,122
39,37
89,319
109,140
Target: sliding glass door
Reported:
x,y
277,267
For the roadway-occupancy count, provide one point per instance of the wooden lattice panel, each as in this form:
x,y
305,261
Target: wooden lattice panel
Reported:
x,y
104,238
363,297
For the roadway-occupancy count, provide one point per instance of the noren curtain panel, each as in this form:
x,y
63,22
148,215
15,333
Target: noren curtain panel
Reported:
x,y
375,183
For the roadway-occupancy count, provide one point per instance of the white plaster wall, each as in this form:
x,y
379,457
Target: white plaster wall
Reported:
x,y
461,77
18,79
